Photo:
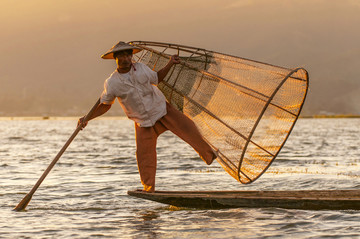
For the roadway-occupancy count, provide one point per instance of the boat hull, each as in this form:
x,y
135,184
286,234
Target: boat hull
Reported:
x,y
307,199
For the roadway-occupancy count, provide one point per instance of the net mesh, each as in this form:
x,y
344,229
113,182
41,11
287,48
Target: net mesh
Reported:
x,y
244,109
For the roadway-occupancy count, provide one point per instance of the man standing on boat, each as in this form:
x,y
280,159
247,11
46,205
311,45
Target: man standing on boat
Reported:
x,y
134,85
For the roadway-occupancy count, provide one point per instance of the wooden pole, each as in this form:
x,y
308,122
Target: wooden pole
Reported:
x,y
25,201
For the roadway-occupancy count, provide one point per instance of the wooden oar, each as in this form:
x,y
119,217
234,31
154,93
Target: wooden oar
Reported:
x,y
25,201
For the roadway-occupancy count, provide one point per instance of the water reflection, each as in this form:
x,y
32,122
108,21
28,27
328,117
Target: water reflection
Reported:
x,y
148,223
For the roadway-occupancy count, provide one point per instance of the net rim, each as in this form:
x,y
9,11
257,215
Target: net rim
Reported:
x,y
259,119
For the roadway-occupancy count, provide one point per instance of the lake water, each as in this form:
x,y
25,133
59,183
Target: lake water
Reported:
x,y
85,195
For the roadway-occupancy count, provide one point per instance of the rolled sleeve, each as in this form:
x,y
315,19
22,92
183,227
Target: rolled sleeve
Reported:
x,y
107,97
152,75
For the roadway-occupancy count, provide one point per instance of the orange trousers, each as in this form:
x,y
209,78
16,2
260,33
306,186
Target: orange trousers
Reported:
x,y
146,138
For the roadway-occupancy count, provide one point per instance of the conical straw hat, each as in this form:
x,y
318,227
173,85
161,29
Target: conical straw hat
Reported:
x,y
120,46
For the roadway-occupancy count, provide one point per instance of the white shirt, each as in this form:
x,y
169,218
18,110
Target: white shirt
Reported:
x,y
137,94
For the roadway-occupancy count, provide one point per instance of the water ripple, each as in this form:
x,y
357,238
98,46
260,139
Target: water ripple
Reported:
x,y
84,196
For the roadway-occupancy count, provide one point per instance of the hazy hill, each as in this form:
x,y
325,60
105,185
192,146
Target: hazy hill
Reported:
x,y
50,50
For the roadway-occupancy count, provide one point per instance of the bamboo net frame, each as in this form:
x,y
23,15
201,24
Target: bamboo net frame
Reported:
x,y
244,109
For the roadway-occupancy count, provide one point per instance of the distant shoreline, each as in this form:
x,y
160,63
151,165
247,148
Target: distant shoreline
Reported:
x,y
124,117
57,118
329,116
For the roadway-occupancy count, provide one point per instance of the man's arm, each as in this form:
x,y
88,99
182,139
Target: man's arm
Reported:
x,y
163,72
100,110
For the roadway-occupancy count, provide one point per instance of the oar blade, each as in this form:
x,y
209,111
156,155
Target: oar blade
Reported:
x,y
24,202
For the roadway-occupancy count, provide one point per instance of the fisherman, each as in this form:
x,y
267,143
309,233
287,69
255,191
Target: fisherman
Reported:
x,y
134,85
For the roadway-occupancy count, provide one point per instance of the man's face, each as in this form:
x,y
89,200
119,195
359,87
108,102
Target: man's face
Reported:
x,y
123,59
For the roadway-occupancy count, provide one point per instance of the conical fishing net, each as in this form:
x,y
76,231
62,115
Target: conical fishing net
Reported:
x,y
244,109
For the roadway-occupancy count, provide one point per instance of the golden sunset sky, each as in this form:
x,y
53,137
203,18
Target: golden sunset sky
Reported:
x,y
50,49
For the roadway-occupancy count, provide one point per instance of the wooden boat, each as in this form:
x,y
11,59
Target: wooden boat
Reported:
x,y
307,199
